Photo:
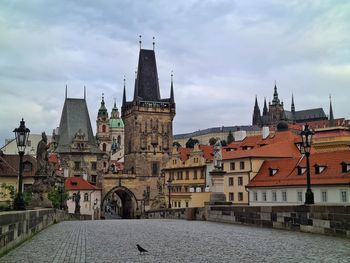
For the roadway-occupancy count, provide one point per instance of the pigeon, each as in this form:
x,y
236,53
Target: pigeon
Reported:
x,y
141,249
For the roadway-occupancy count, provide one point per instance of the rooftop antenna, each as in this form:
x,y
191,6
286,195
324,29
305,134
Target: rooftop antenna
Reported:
x,y
84,92
140,41
153,43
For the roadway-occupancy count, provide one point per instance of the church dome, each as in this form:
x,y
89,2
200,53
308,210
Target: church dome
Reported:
x,y
282,126
116,123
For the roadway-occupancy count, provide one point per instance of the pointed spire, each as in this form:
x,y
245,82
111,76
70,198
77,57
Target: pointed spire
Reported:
x,y
256,101
115,103
293,106
66,91
256,113
102,112
124,93
331,116
153,43
140,41
172,99
265,108
275,96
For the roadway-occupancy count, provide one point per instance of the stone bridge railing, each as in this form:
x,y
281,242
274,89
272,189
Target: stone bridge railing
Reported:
x,y
326,220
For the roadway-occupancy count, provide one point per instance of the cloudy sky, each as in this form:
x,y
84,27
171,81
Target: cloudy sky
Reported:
x,y
222,52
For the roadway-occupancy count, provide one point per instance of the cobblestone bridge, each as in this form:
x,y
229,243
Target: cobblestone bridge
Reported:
x,y
175,241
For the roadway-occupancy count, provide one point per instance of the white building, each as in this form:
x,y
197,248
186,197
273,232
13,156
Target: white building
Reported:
x,y
283,182
10,146
90,197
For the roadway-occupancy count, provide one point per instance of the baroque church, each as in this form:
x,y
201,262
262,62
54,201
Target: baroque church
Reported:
x,y
275,113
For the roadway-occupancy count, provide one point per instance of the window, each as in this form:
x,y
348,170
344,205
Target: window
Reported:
x,y
324,196
300,196
186,188
93,165
174,161
301,170
284,196
319,169
103,128
104,147
272,171
230,181
86,197
202,173
27,167
240,180
255,196
195,174
240,196
264,198
179,204
93,178
274,196
76,166
231,196
179,175
345,167
232,166
186,204
343,196
195,160
187,175
241,165
154,168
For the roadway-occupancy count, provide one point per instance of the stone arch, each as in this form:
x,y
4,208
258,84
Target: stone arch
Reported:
x,y
119,203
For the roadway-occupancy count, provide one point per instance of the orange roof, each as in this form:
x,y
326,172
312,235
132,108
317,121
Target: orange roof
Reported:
x,y
78,183
287,174
207,152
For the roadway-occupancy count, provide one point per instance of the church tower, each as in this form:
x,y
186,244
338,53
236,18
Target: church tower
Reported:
x,y
276,110
256,114
148,121
102,133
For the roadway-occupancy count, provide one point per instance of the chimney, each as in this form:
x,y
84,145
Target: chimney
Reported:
x,y
240,135
265,132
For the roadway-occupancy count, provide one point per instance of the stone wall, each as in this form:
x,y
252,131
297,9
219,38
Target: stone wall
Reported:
x,y
16,226
326,220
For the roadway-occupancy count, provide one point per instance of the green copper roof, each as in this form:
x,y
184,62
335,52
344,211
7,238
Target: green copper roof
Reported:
x,y
116,123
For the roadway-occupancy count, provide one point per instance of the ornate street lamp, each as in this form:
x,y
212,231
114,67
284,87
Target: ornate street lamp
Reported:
x,y
22,134
169,190
306,137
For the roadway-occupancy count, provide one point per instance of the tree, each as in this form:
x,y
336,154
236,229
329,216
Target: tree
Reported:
x,y
223,143
191,143
58,196
230,137
7,191
177,144
212,140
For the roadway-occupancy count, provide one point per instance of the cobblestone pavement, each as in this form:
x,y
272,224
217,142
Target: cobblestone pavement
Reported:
x,y
175,241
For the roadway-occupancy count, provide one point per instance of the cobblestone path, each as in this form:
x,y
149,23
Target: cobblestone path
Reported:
x,y
175,241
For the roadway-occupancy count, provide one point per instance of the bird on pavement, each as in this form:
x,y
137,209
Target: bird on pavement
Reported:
x,y
141,249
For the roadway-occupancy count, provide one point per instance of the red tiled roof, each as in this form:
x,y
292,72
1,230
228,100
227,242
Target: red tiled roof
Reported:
x,y
9,165
207,152
78,183
287,171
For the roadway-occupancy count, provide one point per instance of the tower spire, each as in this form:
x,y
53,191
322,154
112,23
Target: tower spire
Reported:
x,y
293,106
172,99
265,108
331,117
66,91
275,95
256,113
124,94
102,112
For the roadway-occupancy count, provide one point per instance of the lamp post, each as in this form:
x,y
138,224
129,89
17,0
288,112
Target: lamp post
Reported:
x,y
306,137
144,195
169,190
21,134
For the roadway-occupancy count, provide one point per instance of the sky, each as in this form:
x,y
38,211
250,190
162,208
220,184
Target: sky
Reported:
x,y
223,53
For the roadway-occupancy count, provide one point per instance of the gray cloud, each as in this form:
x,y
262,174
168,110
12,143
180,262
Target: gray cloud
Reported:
x,y
223,53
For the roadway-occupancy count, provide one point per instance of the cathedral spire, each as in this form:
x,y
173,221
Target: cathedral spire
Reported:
x,y
172,99
331,117
275,95
124,94
256,113
265,108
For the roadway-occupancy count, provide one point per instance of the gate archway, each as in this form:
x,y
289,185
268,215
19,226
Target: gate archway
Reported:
x,y
119,203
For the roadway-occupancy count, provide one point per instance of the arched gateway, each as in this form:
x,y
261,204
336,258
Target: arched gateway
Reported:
x,y
119,203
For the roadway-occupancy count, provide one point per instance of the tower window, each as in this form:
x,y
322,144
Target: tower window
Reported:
x,y
104,147
103,128
154,168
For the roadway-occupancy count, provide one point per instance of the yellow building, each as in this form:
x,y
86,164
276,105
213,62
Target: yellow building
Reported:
x,y
188,170
9,171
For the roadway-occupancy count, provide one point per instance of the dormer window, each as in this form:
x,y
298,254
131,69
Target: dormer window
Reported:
x,y
319,168
345,167
272,171
301,170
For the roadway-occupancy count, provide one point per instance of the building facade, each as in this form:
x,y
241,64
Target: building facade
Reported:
x,y
188,170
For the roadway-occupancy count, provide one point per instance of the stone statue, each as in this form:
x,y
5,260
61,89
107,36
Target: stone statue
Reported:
x,y
77,203
217,155
42,156
159,185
